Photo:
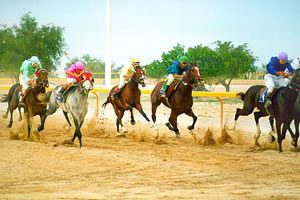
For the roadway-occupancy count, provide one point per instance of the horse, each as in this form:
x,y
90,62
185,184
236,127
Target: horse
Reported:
x,y
12,99
295,85
180,101
76,103
32,105
283,110
277,111
129,98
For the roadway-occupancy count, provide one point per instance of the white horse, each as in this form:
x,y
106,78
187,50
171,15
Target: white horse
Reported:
x,y
76,103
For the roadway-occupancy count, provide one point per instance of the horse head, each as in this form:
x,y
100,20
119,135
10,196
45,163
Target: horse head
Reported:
x,y
139,76
42,78
87,85
193,75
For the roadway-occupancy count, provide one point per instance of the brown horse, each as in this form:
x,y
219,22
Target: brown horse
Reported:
x,y
180,101
32,106
129,98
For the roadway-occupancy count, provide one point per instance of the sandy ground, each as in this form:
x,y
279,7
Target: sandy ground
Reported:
x,y
204,164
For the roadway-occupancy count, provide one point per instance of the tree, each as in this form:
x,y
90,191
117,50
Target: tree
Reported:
x,y
235,61
28,39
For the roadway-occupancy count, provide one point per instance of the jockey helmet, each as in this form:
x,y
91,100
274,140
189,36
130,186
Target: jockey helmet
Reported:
x,y
184,59
79,65
282,56
34,60
135,60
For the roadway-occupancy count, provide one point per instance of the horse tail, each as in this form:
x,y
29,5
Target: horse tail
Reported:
x,y
241,95
4,98
106,102
45,97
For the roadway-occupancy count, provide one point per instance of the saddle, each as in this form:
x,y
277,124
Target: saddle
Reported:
x,y
68,91
263,94
172,88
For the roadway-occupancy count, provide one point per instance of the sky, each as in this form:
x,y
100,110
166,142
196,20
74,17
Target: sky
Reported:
x,y
145,29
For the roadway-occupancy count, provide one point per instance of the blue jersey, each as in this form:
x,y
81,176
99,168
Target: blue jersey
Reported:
x,y
175,68
274,66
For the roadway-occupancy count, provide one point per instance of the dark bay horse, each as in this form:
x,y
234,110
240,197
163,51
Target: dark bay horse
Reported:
x,y
76,103
180,101
12,99
281,109
251,101
32,106
130,97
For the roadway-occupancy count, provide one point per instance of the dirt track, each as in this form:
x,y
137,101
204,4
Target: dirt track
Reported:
x,y
139,167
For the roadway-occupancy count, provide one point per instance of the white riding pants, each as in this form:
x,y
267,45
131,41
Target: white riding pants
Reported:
x,y
273,81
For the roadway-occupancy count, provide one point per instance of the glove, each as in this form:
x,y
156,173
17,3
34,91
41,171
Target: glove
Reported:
x,y
279,73
285,75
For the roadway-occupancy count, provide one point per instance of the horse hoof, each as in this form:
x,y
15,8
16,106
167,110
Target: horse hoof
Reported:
x,y
271,139
190,127
132,122
177,135
293,143
9,126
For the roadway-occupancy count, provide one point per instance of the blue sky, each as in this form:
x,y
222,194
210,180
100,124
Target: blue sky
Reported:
x,y
145,29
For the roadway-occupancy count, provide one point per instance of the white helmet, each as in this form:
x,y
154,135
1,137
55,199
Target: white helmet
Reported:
x,y
35,60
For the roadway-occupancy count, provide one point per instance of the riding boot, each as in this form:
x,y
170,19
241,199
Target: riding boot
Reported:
x,y
268,100
163,89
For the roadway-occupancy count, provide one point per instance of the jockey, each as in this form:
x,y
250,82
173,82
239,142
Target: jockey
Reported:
x,y
126,74
76,74
279,69
28,71
175,71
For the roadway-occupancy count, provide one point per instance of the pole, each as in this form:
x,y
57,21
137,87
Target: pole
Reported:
x,y
108,45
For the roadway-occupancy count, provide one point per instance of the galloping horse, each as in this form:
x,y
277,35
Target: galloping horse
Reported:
x,y
12,100
251,101
180,101
32,106
76,103
281,109
130,97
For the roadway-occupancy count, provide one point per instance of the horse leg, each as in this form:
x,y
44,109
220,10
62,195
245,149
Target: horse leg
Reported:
x,y
172,125
29,123
191,114
279,138
20,114
153,116
77,132
120,116
11,111
258,115
271,120
247,110
285,127
140,109
41,126
295,140
68,120
132,121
